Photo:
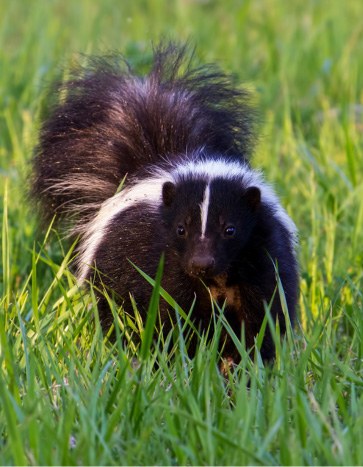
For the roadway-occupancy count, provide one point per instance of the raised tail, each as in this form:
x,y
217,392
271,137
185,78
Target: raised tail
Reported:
x,y
109,122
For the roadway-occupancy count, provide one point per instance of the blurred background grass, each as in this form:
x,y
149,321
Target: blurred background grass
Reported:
x,y
303,61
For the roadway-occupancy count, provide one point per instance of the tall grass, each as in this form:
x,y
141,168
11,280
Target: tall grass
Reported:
x,y
69,395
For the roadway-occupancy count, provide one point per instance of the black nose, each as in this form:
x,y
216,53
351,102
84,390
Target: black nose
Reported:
x,y
202,265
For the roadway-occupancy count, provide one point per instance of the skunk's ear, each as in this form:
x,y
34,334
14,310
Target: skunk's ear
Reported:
x,y
169,191
253,197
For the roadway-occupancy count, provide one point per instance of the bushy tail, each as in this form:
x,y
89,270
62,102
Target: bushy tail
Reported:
x,y
108,122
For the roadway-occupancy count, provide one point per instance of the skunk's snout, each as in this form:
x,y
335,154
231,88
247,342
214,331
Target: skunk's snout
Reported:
x,y
202,265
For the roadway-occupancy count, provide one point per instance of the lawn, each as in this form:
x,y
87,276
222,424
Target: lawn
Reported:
x,y
69,395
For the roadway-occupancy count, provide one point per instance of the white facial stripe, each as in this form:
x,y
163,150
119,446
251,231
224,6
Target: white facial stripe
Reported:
x,y
204,210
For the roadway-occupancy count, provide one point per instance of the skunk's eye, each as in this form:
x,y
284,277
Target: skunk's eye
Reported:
x,y
180,230
229,231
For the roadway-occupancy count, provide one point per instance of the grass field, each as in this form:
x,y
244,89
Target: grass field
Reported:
x,y
67,395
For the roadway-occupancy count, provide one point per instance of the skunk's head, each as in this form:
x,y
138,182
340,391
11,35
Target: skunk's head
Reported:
x,y
210,222
209,208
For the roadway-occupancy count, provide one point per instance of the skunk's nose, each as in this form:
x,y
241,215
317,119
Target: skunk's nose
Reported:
x,y
202,265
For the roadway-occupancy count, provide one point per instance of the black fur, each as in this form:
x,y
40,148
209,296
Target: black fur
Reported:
x,y
111,123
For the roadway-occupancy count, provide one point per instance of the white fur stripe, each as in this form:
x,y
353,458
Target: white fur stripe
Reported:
x,y
148,191
204,210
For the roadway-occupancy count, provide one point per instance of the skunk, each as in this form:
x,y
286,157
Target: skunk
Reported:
x,y
179,141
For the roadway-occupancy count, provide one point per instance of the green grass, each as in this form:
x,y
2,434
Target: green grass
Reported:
x,y
67,395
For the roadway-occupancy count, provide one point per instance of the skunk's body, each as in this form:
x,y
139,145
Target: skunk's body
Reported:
x,y
183,140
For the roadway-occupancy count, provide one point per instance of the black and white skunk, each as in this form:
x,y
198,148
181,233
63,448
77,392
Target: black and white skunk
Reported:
x,y
182,137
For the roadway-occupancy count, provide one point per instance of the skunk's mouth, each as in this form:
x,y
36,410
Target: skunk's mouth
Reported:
x,y
204,275
210,278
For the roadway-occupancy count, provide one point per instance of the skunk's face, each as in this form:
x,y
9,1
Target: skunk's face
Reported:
x,y
210,224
